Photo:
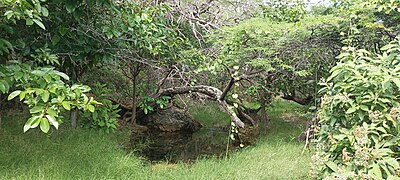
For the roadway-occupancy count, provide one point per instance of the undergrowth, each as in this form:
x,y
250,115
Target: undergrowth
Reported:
x,y
91,154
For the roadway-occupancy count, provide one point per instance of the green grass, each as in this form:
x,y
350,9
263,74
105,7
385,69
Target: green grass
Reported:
x,y
210,115
90,154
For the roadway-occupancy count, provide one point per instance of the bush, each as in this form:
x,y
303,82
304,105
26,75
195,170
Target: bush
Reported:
x,y
106,115
358,132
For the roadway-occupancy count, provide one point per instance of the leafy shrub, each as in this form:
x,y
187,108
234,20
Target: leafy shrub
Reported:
x,y
147,103
45,93
359,132
104,116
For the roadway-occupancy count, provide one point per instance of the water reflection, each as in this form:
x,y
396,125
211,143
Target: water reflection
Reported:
x,y
178,147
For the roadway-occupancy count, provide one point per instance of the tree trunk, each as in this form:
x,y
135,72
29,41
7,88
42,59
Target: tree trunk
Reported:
x,y
302,101
74,112
263,102
133,120
243,115
73,116
227,89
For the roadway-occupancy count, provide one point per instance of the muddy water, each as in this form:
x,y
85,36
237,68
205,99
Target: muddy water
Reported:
x,y
178,147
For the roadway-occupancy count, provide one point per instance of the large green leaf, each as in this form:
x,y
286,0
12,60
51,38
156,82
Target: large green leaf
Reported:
x,y
51,112
91,108
39,23
331,165
2,87
29,123
14,94
53,121
38,72
63,75
44,125
351,110
22,95
36,109
334,74
29,22
66,105
45,12
45,96
18,75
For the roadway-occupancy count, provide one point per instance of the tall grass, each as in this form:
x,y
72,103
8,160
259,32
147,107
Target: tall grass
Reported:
x,y
90,154
209,115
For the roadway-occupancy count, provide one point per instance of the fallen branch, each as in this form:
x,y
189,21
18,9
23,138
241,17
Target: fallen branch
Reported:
x,y
212,92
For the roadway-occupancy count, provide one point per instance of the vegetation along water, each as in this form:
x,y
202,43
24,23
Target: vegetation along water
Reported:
x,y
207,89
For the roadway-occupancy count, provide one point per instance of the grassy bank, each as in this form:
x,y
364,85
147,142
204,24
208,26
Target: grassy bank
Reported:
x,y
90,154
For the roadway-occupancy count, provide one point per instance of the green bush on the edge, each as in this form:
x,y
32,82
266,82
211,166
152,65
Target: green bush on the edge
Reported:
x,y
358,133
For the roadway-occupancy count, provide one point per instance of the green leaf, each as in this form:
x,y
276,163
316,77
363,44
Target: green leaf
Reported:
x,y
334,74
384,100
22,95
38,73
91,108
66,105
391,177
53,121
36,123
94,115
351,110
51,112
36,109
29,123
63,75
18,75
74,86
331,165
2,87
364,108
339,137
397,82
29,22
389,46
55,39
392,162
45,96
13,95
63,31
44,125
375,172
70,7
39,23
45,12
8,14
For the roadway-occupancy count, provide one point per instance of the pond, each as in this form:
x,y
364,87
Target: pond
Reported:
x,y
183,147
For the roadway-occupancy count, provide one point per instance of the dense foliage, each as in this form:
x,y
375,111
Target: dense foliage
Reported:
x,y
359,134
42,88
140,56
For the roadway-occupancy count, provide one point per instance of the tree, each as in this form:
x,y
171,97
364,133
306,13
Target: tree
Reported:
x,y
41,88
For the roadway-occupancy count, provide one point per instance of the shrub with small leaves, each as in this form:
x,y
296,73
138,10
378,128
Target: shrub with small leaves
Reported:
x,y
359,117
